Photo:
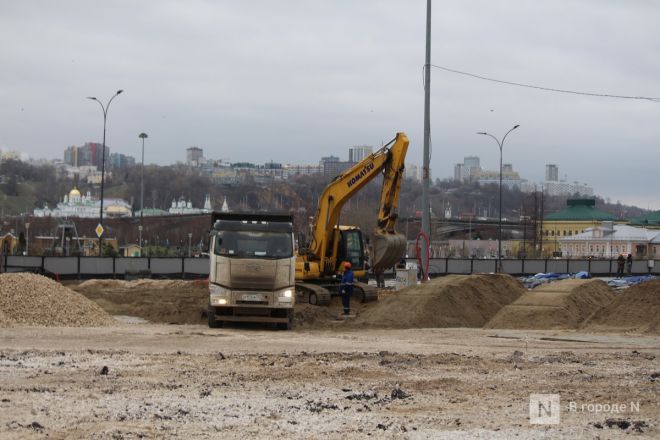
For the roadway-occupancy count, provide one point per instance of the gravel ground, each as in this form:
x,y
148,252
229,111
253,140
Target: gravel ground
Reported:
x,y
165,381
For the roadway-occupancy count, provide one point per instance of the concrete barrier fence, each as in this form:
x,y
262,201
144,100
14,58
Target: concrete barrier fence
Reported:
x,y
183,267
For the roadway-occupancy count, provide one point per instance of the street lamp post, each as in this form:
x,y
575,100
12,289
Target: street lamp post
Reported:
x,y
499,238
27,238
105,117
142,136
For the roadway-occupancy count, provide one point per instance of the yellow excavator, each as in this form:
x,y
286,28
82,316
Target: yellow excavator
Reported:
x,y
331,243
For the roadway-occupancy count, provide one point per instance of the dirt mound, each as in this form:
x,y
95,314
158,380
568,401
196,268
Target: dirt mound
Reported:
x,y
451,301
563,304
142,284
634,309
29,299
163,301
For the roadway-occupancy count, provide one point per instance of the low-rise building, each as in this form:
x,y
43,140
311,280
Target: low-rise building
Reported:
x,y
576,218
608,240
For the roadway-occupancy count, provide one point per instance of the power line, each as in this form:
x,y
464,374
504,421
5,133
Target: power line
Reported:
x,y
547,89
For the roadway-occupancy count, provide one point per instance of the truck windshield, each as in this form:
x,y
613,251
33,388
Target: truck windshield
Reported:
x,y
253,244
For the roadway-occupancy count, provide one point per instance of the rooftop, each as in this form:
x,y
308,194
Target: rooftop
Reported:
x,y
580,210
650,219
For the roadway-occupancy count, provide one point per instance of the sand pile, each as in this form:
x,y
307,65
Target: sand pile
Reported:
x,y
5,321
29,299
451,301
163,301
563,304
634,309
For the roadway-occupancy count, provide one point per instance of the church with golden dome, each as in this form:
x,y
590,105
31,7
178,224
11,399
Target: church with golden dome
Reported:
x,y
75,204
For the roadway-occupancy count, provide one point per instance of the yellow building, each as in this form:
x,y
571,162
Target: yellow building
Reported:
x,y
8,244
578,215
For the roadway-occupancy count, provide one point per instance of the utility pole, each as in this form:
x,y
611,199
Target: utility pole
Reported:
x,y
426,214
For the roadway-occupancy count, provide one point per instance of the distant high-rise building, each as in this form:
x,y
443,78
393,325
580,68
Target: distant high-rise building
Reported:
x,y
71,156
507,168
413,171
468,169
335,167
120,161
359,152
194,156
459,172
328,159
562,188
551,173
89,154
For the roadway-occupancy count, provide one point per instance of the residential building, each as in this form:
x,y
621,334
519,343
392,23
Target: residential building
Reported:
x,y
91,153
468,170
295,170
551,173
510,178
359,152
414,172
459,172
194,156
120,161
563,188
334,168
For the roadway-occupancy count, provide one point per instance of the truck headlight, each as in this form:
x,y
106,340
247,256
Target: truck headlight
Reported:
x,y
285,296
218,295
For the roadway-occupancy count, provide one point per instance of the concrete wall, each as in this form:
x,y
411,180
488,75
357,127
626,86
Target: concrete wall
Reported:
x,y
90,267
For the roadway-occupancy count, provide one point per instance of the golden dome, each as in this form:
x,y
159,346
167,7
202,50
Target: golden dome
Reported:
x,y
74,192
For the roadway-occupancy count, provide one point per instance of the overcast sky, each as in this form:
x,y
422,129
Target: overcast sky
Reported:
x,y
291,81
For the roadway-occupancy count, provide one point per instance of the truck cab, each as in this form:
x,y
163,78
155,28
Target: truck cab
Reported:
x,y
252,269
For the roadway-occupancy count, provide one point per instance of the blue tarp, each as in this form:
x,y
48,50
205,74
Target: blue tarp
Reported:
x,y
630,281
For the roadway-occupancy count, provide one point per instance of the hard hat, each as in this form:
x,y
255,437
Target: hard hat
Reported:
x,y
347,265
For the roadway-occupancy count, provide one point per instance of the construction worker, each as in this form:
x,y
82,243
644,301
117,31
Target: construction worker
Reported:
x,y
620,263
346,287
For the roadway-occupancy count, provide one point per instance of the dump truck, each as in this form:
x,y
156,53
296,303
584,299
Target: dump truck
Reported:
x,y
252,269
319,263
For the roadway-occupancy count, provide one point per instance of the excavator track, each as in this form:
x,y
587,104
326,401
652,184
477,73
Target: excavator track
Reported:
x,y
364,292
313,294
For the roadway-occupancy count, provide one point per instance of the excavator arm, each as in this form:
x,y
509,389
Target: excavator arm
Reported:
x,y
389,246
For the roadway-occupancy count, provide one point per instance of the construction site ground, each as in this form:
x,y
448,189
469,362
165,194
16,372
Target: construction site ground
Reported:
x,y
328,378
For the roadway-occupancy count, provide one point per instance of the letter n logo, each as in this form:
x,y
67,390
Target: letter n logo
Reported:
x,y
544,409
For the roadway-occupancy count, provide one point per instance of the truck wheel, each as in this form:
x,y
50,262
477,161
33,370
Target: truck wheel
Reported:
x,y
213,323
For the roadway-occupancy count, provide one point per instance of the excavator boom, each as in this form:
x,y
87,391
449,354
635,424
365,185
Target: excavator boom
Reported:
x,y
389,246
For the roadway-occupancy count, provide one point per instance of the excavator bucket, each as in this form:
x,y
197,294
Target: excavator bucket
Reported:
x,y
388,249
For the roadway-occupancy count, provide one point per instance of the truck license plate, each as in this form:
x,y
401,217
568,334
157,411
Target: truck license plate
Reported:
x,y
252,298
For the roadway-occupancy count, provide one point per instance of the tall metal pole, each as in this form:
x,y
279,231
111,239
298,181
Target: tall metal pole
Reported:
x,y
426,214
142,136
499,234
105,116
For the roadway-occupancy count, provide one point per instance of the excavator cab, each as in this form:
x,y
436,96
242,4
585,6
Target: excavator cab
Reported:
x,y
351,249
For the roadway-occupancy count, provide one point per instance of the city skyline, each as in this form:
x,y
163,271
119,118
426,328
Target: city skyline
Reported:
x,y
224,77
